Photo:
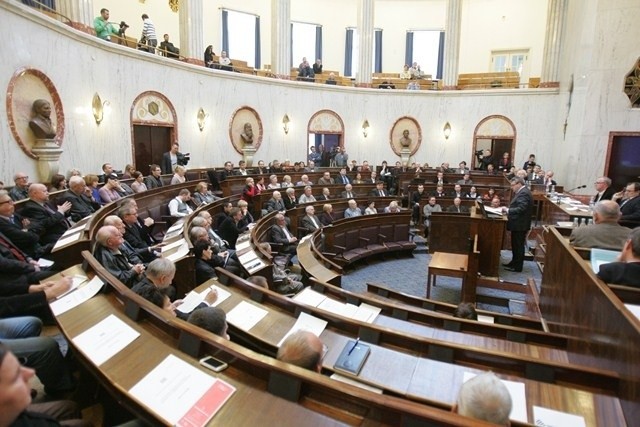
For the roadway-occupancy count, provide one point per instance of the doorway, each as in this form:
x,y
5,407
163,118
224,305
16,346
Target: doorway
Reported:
x,y
495,133
330,141
327,129
623,158
150,143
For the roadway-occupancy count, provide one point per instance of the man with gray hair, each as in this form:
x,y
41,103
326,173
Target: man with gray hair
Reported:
x,y
518,222
626,271
81,204
126,268
212,319
605,232
485,398
604,190
20,190
303,349
310,221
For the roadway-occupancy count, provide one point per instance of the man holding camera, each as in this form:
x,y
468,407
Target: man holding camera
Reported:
x,y
173,158
104,28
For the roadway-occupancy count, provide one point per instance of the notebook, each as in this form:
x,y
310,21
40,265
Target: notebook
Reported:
x,y
352,358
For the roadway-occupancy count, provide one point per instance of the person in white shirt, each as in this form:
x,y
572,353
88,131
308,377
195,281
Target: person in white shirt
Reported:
x,y
178,207
307,197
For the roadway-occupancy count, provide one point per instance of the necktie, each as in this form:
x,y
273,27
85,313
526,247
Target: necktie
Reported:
x,y
380,193
17,253
286,233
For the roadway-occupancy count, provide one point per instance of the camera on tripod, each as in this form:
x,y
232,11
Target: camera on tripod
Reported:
x,y
183,159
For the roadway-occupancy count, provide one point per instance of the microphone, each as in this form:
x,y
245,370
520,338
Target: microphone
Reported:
x,y
577,188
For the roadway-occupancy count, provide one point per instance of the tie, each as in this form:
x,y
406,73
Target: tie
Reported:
x,y
286,233
17,253
381,195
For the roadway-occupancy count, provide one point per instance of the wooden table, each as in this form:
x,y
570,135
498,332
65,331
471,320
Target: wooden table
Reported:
x,y
446,264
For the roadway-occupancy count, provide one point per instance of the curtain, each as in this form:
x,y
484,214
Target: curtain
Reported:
x,y
291,45
378,51
319,42
258,61
348,52
225,32
408,53
440,56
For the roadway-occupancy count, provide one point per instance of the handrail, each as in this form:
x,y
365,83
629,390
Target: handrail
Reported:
x,y
37,4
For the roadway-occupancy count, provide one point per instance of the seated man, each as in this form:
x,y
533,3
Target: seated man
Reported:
x,y
275,203
290,200
209,255
379,191
18,268
126,267
348,192
280,234
310,221
326,179
20,190
168,49
48,223
629,201
81,204
605,232
133,234
305,71
212,319
154,180
457,206
353,210
303,349
16,228
178,206
484,397
626,271
457,191
428,209
230,228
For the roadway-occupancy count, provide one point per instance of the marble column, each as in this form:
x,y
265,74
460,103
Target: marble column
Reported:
x,y
191,24
556,17
452,44
366,13
281,38
79,12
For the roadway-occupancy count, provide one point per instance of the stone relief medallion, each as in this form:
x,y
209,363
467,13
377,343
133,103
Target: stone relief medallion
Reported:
x,y
399,138
27,85
632,85
239,119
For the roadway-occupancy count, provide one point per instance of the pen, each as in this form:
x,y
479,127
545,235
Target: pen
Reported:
x,y
355,344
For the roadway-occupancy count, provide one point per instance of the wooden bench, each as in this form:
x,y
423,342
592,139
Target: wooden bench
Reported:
x,y
314,263
506,80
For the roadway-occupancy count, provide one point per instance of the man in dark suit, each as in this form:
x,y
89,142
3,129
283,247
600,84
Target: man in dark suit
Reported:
x,y
50,224
342,178
281,234
440,179
81,205
170,159
518,222
310,221
348,192
229,230
125,266
168,49
18,269
629,202
290,200
604,189
627,270
16,228
134,236
379,191
154,181
275,203
457,206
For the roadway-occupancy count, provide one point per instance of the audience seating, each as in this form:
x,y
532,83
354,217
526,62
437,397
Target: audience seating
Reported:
x,y
507,80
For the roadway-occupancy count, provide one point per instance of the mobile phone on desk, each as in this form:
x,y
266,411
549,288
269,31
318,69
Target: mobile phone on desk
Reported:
x,y
214,364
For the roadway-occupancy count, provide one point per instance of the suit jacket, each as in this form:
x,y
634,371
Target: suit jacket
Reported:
x,y
605,236
452,208
345,195
376,193
520,211
278,236
153,182
204,271
50,225
134,237
606,195
342,180
23,305
117,264
289,203
630,210
307,223
322,197
274,205
621,273
229,231
81,205
326,218
165,165
26,240
323,181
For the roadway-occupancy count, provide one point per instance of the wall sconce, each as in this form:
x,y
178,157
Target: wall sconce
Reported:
x,y
365,128
285,124
201,118
98,108
446,130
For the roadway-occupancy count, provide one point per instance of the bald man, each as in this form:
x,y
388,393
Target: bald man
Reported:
x,y
302,348
484,397
50,224
605,232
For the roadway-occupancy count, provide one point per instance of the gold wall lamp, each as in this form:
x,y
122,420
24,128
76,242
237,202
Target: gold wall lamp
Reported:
x,y
201,118
447,131
365,128
285,123
98,108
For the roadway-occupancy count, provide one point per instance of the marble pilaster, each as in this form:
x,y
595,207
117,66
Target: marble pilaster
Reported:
x,y
556,16
452,44
280,38
191,23
366,13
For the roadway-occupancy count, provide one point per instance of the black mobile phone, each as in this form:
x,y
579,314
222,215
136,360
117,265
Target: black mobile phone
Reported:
x,y
213,364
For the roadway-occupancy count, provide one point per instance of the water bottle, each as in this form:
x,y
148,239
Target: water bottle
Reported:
x,y
575,223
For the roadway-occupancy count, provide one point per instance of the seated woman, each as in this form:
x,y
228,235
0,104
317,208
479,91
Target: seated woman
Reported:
x,y
405,74
179,175
138,184
273,182
128,172
92,182
202,195
286,182
358,179
260,184
327,218
371,208
473,193
249,192
209,61
58,183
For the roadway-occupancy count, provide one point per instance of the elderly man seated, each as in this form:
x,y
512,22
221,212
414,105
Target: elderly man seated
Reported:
x,y
81,203
212,319
485,398
50,224
280,234
310,221
348,192
20,190
125,266
605,232
353,210
303,349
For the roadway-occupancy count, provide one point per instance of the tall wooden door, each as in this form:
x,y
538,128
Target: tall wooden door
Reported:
x,y
150,142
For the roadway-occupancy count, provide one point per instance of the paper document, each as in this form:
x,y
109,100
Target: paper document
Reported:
x,y
485,319
497,211
544,417
245,315
518,397
43,262
194,298
309,297
180,253
182,394
73,299
635,309
565,224
366,313
73,230
306,322
178,225
337,307
602,256
105,339
65,240
172,245
248,258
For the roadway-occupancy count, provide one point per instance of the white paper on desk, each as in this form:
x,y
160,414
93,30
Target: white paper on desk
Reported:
x,y
43,262
178,225
74,299
306,322
174,388
242,245
245,315
309,297
247,257
65,240
349,380
366,313
105,339
634,309
518,397
544,417
73,230
337,307
76,281
602,256
497,211
194,298
180,253
485,319
172,245
565,224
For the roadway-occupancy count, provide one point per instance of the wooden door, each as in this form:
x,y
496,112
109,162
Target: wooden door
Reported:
x,y
150,142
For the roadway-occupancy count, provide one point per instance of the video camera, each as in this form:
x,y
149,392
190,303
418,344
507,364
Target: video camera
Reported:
x,y
183,159
123,27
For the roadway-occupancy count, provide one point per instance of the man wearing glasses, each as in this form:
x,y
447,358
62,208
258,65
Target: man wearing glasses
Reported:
x,y
604,189
629,205
20,191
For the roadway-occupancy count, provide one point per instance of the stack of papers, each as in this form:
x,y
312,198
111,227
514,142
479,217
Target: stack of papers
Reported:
x,y
363,313
193,299
306,322
245,315
82,291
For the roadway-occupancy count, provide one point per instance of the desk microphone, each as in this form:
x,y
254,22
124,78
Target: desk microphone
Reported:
x,y
577,188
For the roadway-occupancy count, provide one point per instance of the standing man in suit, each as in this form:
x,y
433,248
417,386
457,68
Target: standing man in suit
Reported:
x,y
629,202
170,159
518,222
604,190
81,205
50,224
